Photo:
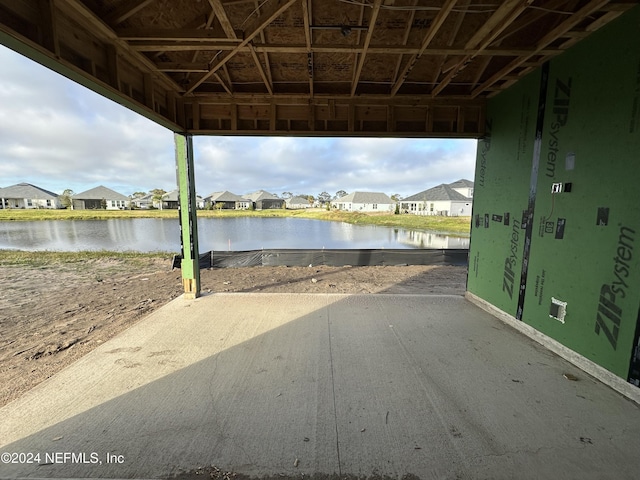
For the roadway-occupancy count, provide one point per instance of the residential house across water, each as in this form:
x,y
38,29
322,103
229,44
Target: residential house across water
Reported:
x,y
296,203
100,198
226,201
263,200
365,202
171,200
25,195
440,200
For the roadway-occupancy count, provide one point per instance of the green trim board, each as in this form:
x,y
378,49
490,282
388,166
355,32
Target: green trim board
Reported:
x,y
582,283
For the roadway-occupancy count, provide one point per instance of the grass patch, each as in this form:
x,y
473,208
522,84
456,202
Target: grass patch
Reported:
x,y
16,215
454,225
50,258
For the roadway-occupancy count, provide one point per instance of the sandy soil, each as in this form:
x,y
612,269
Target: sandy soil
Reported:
x,y
52,315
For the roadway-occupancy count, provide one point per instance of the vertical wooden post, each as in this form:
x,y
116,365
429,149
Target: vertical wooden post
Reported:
x,y
187,213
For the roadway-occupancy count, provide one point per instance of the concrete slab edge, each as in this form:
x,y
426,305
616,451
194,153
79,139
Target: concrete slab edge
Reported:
x,y
603,375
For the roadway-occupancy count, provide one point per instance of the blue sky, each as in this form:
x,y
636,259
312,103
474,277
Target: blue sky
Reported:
x,y
58,135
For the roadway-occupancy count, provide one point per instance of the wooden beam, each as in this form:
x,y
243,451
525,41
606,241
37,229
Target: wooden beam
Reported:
x,y
562,28
113,66
149,98
453,34
221,14
187,67
367,42
499,21
195,113
234,117
48,27
174,35
306,18
171,106
484,64
125,10
275,10
207,25
356,57
152,46
431,33
312,116
79,12
272,117
533,15
263,74
351,119
265,55
224,84
405,39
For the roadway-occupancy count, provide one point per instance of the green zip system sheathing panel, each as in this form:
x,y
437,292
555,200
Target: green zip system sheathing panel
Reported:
x,y
556,221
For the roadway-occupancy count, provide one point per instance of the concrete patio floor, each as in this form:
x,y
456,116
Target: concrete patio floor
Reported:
x,y
312,385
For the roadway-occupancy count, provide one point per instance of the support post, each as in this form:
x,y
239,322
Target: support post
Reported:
x,y
187,212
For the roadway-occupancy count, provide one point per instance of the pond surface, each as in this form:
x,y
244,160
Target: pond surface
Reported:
x,y
240,233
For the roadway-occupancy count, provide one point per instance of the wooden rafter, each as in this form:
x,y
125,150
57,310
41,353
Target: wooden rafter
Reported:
x,y
483,65
148,44
499,21
221,15
147,54
306,18
210,18
405,39
452,37
175,35
431,33
265,55
184,67
78,10
263,74
367,41
358,39
562,28
263,21
48,27
533,16
126,9
226,85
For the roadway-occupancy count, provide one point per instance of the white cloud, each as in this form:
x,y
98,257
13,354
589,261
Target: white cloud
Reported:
x,y
59,135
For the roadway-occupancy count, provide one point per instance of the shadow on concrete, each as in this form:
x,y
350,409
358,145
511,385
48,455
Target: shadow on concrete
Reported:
x,y
325,386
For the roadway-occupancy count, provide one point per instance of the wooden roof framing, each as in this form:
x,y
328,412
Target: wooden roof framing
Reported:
x,y
420,68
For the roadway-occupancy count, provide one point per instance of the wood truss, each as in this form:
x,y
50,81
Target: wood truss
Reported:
x,y
420,68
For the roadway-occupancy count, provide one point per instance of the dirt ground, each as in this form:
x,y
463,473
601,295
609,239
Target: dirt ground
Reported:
x,y
52,315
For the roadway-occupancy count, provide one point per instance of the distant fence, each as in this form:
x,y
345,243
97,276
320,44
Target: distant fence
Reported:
x,y
330,257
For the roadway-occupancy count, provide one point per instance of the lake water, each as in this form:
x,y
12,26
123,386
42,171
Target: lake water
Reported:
x,y
241,233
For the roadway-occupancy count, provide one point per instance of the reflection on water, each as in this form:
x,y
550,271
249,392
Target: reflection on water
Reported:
x,y
242,233
418,239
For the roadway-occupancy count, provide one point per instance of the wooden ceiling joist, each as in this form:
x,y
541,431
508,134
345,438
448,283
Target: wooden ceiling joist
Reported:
x,y
431,33
125,10
267,16
499,21
367,42
549,37
330,67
